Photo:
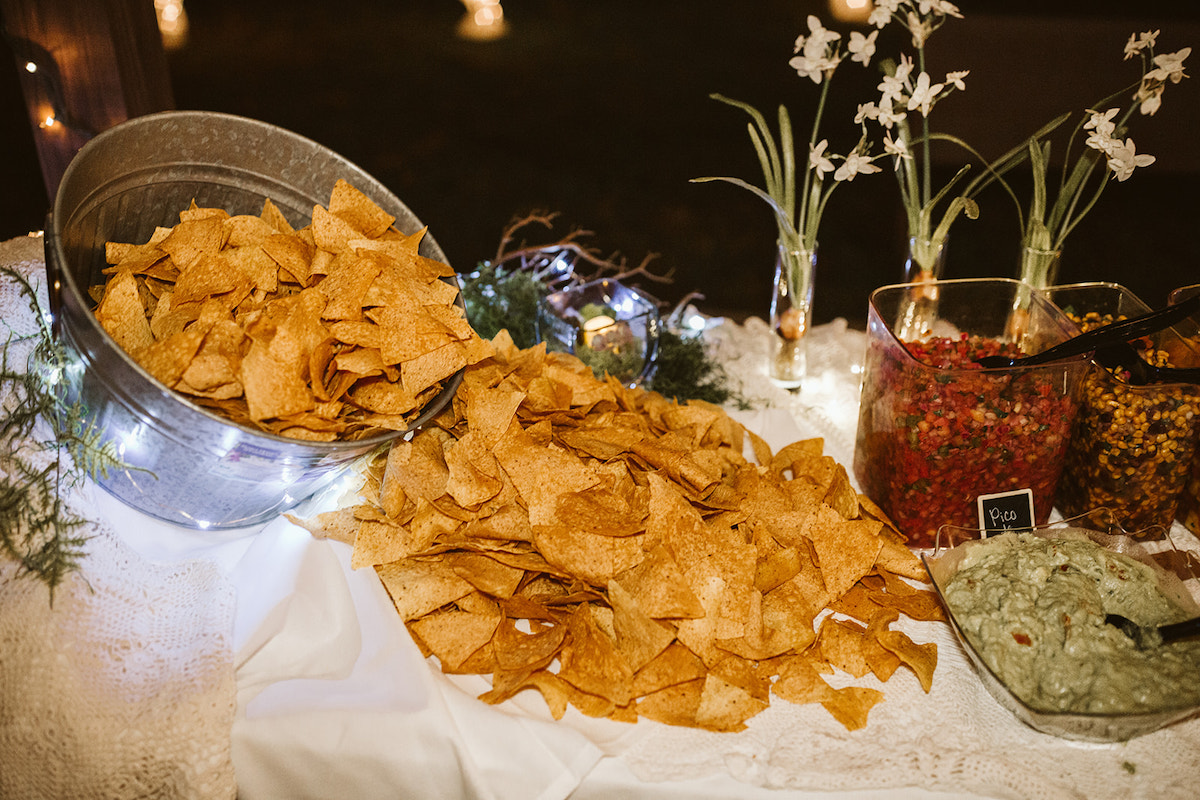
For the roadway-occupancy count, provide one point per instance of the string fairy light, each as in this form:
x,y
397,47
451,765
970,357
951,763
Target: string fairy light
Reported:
x,y
51,111
172,23
484,20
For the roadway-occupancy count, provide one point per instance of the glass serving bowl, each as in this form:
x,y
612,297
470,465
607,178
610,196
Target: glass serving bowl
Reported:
x,y
1132,447
1179,573
1189,499
935,431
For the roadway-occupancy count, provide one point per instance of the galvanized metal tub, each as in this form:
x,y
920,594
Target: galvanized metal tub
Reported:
x,y
189,465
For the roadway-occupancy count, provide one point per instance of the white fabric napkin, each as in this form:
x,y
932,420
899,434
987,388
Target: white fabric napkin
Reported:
x,y
335,700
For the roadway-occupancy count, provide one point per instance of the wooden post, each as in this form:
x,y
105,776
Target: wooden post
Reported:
x,y
95,63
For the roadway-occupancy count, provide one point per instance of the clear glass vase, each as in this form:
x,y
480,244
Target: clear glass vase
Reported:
x,y
923,268
926,260
791,315
1038,267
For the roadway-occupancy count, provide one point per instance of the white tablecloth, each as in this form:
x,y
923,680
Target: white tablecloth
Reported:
x,y
331,699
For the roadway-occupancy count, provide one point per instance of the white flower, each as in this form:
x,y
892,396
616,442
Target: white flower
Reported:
x,y
923,94
882,13
814,68
815,59
1137,44
1169,66
889,115
854,164
1123,159
1101,125
817,160
862,48
1103,142
939,7
955,79
919,27
866,111
819,33
1149,98
895,147
894,86
1102,122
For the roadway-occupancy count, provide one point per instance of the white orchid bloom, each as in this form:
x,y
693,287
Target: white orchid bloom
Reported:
x,y
1104,142
1149,99
862,48
819,33
1137,44
866,111
955,79
895,147
889,115
939,7
882,13
919,27
924,94
1102,122
818,161
854,164
1124,158
895,86
1169,66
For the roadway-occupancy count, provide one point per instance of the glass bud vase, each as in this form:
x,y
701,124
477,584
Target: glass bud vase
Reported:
x,y
923,268
791,316
1038,267
926,260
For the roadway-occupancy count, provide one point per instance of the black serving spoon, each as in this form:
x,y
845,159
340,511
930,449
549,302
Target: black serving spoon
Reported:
x,y
1149,637
1136,371
1122,331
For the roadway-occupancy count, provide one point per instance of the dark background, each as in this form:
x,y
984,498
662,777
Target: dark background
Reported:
x,y
600,111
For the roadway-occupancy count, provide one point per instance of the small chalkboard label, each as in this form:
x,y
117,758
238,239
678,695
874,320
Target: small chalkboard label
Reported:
x,y
1006,511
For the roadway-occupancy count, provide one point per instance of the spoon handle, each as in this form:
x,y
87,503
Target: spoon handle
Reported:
x,y
1180,630
1115,332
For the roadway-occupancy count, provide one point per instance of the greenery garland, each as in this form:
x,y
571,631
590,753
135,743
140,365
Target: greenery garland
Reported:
x,y
37,529
498,299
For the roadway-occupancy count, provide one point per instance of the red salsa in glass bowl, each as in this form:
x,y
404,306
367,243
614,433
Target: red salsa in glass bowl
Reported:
x,y
936,430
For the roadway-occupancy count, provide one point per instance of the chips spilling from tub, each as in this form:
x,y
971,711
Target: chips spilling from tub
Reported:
x,y
336,330
621,553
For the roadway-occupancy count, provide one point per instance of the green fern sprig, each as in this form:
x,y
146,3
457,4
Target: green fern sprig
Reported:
x,y
37,528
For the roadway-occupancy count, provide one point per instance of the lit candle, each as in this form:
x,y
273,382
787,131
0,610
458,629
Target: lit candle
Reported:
x,y
593,327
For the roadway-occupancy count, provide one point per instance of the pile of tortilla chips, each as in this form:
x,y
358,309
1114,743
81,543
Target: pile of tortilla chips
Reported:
x,y
617,551
334,331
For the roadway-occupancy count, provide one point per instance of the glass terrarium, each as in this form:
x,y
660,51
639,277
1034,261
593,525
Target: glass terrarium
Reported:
x,y
935,430
1133,446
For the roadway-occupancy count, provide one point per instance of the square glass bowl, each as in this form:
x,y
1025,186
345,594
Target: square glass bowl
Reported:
x,y
1178,571
1188,511
935,431
611,327
1132,447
